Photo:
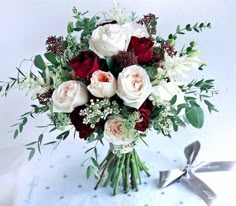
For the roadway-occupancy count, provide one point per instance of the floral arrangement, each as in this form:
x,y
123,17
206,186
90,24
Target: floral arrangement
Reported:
x,y
114,79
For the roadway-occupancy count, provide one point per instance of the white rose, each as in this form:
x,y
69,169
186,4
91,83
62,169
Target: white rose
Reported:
x,y
68,95
113,131
165,91
108,40
135,29
103,84
134,86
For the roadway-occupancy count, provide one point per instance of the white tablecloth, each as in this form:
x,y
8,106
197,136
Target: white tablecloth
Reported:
x,y
57,177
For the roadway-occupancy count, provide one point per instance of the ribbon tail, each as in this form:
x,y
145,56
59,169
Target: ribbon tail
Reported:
x,y
216,166
200,188
169,177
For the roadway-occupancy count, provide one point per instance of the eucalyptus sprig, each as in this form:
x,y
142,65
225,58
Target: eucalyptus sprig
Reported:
x,y
196,27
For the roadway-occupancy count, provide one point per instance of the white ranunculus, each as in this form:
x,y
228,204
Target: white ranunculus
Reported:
x,y
108,40
103,84
68,95
178,66
134,86
165,91
113,131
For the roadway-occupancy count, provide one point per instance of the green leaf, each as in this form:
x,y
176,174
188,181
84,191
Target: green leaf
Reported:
x,y
40,139
32,143
70,27
194,103
63,135
51,57
24,121
173,100
52,142
20,72
31,154
159,39
208,103
96,153
89,150
95,162
209,25
110,63
201,25
16,134
7,87
20,127
39,63
91,170
91,138
152,72
181,106
195,116
53,129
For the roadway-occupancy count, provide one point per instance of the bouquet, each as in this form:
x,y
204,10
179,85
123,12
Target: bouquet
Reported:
x,y
113,78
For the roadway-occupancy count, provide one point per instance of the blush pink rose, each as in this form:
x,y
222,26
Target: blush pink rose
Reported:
x,y
69,95
113,131
103,84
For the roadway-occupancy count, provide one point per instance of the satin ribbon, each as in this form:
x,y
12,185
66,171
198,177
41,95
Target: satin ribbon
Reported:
x,y
188,173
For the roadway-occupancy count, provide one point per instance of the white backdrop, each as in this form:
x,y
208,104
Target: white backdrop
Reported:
x,y
26,24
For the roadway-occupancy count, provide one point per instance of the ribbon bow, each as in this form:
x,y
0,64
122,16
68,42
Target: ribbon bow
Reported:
x,y
187,174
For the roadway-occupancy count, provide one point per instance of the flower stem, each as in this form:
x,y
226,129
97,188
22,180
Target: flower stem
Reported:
x,y
137,166
123,167
133,173
104,169
127,171
142,165
117,177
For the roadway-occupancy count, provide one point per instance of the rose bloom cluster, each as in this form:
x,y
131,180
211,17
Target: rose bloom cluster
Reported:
x,y
130,47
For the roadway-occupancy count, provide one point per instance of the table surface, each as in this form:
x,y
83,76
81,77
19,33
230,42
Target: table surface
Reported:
x,y
57,177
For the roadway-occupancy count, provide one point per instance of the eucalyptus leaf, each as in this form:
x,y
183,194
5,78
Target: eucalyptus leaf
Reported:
x,y
16,134
51,57
90,170
39,63
95,162
31,154
195,116
40,139
173,100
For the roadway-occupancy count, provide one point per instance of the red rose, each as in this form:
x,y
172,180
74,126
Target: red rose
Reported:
x,y
145,111
85,64
142,48
84,129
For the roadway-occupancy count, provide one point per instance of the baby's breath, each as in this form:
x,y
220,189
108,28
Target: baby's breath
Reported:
x,y
98,110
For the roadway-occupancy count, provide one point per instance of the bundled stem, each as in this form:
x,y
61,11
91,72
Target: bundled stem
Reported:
x,y
124,168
